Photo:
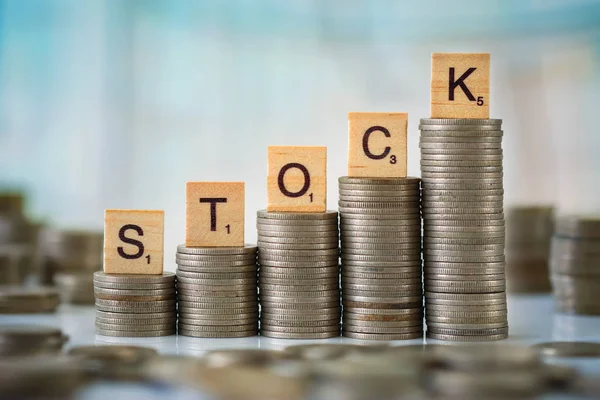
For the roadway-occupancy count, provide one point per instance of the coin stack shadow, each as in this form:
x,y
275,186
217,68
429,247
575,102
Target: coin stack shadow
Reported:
x,y
380,230
135,305
575,264
216,290
528,233
298,254
464,230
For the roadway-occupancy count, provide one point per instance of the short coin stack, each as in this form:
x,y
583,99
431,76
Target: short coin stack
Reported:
x,y
135,305
464,233
216,290
20,300
298,255
528,233
381,258
575,264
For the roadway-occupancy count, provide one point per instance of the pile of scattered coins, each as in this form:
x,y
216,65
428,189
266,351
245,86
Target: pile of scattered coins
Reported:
x,y
575,264
381,258
528,233
463,225
216,289
299,290
135,305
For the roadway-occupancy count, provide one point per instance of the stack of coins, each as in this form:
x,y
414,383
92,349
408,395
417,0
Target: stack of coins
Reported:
x,y
216,289
381,258
463,245
70,252
19,300
528,233
575,264
30,340
135,305
298,255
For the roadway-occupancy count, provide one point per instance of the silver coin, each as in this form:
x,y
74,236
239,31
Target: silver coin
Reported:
x,y
292,288
465,225
413,210
408,181
410,269
251,321
479,297
298,240
469,332
115,333
213,251
136,286
463,272
460,170
460,204
475,213
299,246
218,269
268,253
461,163
462,184
267,322
201,275
462,157
462,122
406,314
390,326
462,193
303,310
390,300
464,338
463,150
382,264
217,282
380,236
382,193
262,234
357,277
274,303
191,297
332,280
432,201
299,273
348,230
464,133
135,317
134,292
329,214
466,308
296,335
299,294
373,330
463,283
326,317
416,251
382,246
293,329
132,322
379,204
384,313
386,337
330,260
379,282
225,333
166,277
248,258
135,328
298,264
477,233
349,220
135,307
470,251
448,316
462,277
218,328
460,146
283,223
400,189
212,264
378,217
302,229
218,317
212,312
465,241
463,258
376,199
391,287
380,295
243,307
441,138
354,257
465,325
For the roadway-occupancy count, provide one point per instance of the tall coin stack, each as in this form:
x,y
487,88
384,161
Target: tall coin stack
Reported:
x,y
298,255
381,258
575,264
464,233
528,234
216,290
135,305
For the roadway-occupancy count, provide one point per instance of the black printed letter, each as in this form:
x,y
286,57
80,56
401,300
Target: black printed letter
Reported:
x,y
282,187
365,143
213,209
460,82
134,242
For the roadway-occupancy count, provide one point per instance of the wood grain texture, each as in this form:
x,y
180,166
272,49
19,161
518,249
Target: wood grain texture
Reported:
x,y
297,178
214,214
134,241
475,69
377,144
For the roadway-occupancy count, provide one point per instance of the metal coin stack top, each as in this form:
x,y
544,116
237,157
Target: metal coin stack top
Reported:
x,y
575,264
135,305
528,234
381,258
463,225
216,290
298,255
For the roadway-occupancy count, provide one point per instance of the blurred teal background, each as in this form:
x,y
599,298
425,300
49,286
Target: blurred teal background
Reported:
x,y
117,103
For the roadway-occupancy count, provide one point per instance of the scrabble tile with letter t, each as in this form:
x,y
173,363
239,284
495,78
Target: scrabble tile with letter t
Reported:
x,y
214,214
460,85
297,179
134,241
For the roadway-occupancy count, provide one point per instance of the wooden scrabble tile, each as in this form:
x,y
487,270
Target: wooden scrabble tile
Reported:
x,y
134,241
377,144
460,85
214,214
297,179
